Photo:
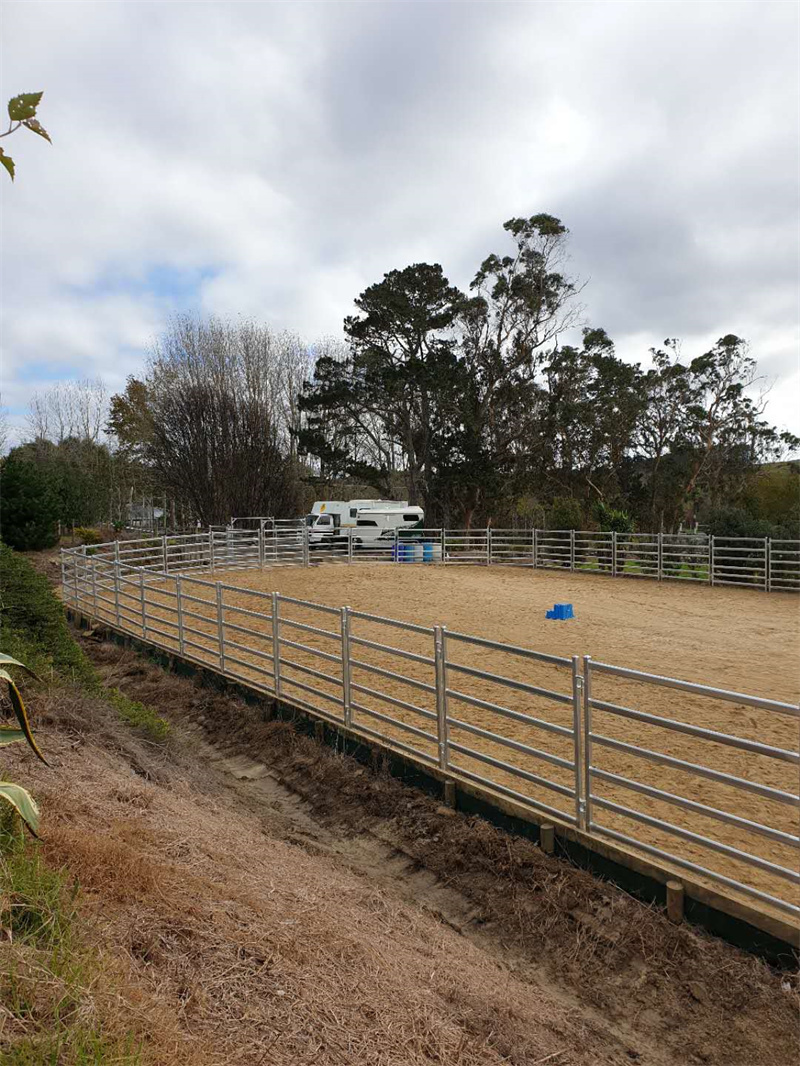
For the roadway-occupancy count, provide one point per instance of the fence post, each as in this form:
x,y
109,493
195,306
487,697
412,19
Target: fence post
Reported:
x,y
613,553
178,601
116,592
587,742
142,601
211,549
220,628
660,556
116,552
164,552
306,548
349,545
535,547
94,589
711,560
261,543
345,627
276,644
444,556
767,564
77,586
488,545
440,660
577,693
572,549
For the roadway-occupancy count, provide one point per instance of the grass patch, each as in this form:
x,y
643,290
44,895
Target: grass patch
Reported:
x,y
34,630
139,715
49,972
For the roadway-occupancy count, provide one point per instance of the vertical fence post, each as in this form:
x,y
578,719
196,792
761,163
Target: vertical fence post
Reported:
x,y
767,563
349,545
75,575
116,592
179,602
711,560
577,693
143,605
63,572
587,742
306,548
440,653
535,547
94,589
164,553
613,553
572,549
211,549
488,545
276,644
660,550
261,543
345,629
220,628
444,541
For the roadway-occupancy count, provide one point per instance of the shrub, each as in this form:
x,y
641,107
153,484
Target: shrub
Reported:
x,y
612,519
88,536
32,623
28,506
565,513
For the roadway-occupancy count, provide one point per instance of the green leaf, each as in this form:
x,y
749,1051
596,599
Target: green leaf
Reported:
x,y
23,106
22,717
7,162
10,736
6,660
35,125
23,802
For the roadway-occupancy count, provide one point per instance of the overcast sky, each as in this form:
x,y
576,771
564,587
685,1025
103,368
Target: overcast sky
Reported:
x,y
273,160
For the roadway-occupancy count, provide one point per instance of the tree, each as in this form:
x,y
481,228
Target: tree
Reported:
x,y
382,403
28,505
76,409
215,435
22,112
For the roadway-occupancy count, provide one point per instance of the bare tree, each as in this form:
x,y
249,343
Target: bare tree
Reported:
x,y
219,436
69,409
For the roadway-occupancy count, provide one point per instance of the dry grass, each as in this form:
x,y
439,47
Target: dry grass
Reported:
x,y
230,931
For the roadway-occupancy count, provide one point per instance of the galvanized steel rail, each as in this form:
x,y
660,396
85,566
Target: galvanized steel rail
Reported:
x,y
150,589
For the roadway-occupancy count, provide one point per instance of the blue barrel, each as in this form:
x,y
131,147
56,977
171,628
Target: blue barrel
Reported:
x,y
427,552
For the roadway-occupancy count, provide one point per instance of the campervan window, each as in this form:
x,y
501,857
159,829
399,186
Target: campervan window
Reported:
x,y
324,520
353,512
366,522
411,518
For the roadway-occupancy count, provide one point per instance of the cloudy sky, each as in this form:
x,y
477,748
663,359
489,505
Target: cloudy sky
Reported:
x,y
273,159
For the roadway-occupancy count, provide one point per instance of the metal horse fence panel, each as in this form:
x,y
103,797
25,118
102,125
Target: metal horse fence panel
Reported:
x,y
641,767
531,726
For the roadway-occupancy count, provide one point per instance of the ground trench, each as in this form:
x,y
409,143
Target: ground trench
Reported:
x,y
651,989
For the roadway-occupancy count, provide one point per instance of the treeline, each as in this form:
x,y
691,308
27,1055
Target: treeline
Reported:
x,y
487,418
467,403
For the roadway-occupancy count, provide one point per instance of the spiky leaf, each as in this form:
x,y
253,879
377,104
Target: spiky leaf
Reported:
x,y
35,125
7,162
23,106
19,710
6,660
10,736
22,802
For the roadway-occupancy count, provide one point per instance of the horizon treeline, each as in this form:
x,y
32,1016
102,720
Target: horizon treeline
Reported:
x,y
469,404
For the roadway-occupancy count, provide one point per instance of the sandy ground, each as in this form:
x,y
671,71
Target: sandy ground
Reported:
x,y
732,638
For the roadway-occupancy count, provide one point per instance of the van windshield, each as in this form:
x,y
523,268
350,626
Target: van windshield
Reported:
x,y
310,519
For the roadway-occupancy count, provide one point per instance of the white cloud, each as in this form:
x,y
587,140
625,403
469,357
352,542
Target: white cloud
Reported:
x,y
293,153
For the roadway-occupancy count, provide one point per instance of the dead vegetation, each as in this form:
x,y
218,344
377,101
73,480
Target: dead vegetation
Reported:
x,y
349,919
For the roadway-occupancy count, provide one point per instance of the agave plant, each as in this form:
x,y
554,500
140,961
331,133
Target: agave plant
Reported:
x,y
19,798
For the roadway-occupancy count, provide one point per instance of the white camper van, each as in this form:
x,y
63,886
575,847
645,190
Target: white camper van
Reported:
x,y
372,519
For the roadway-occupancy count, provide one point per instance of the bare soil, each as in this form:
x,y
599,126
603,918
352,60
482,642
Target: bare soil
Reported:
x,y
731,638
268,901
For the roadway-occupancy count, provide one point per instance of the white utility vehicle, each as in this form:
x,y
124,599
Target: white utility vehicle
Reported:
x,y
373,519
